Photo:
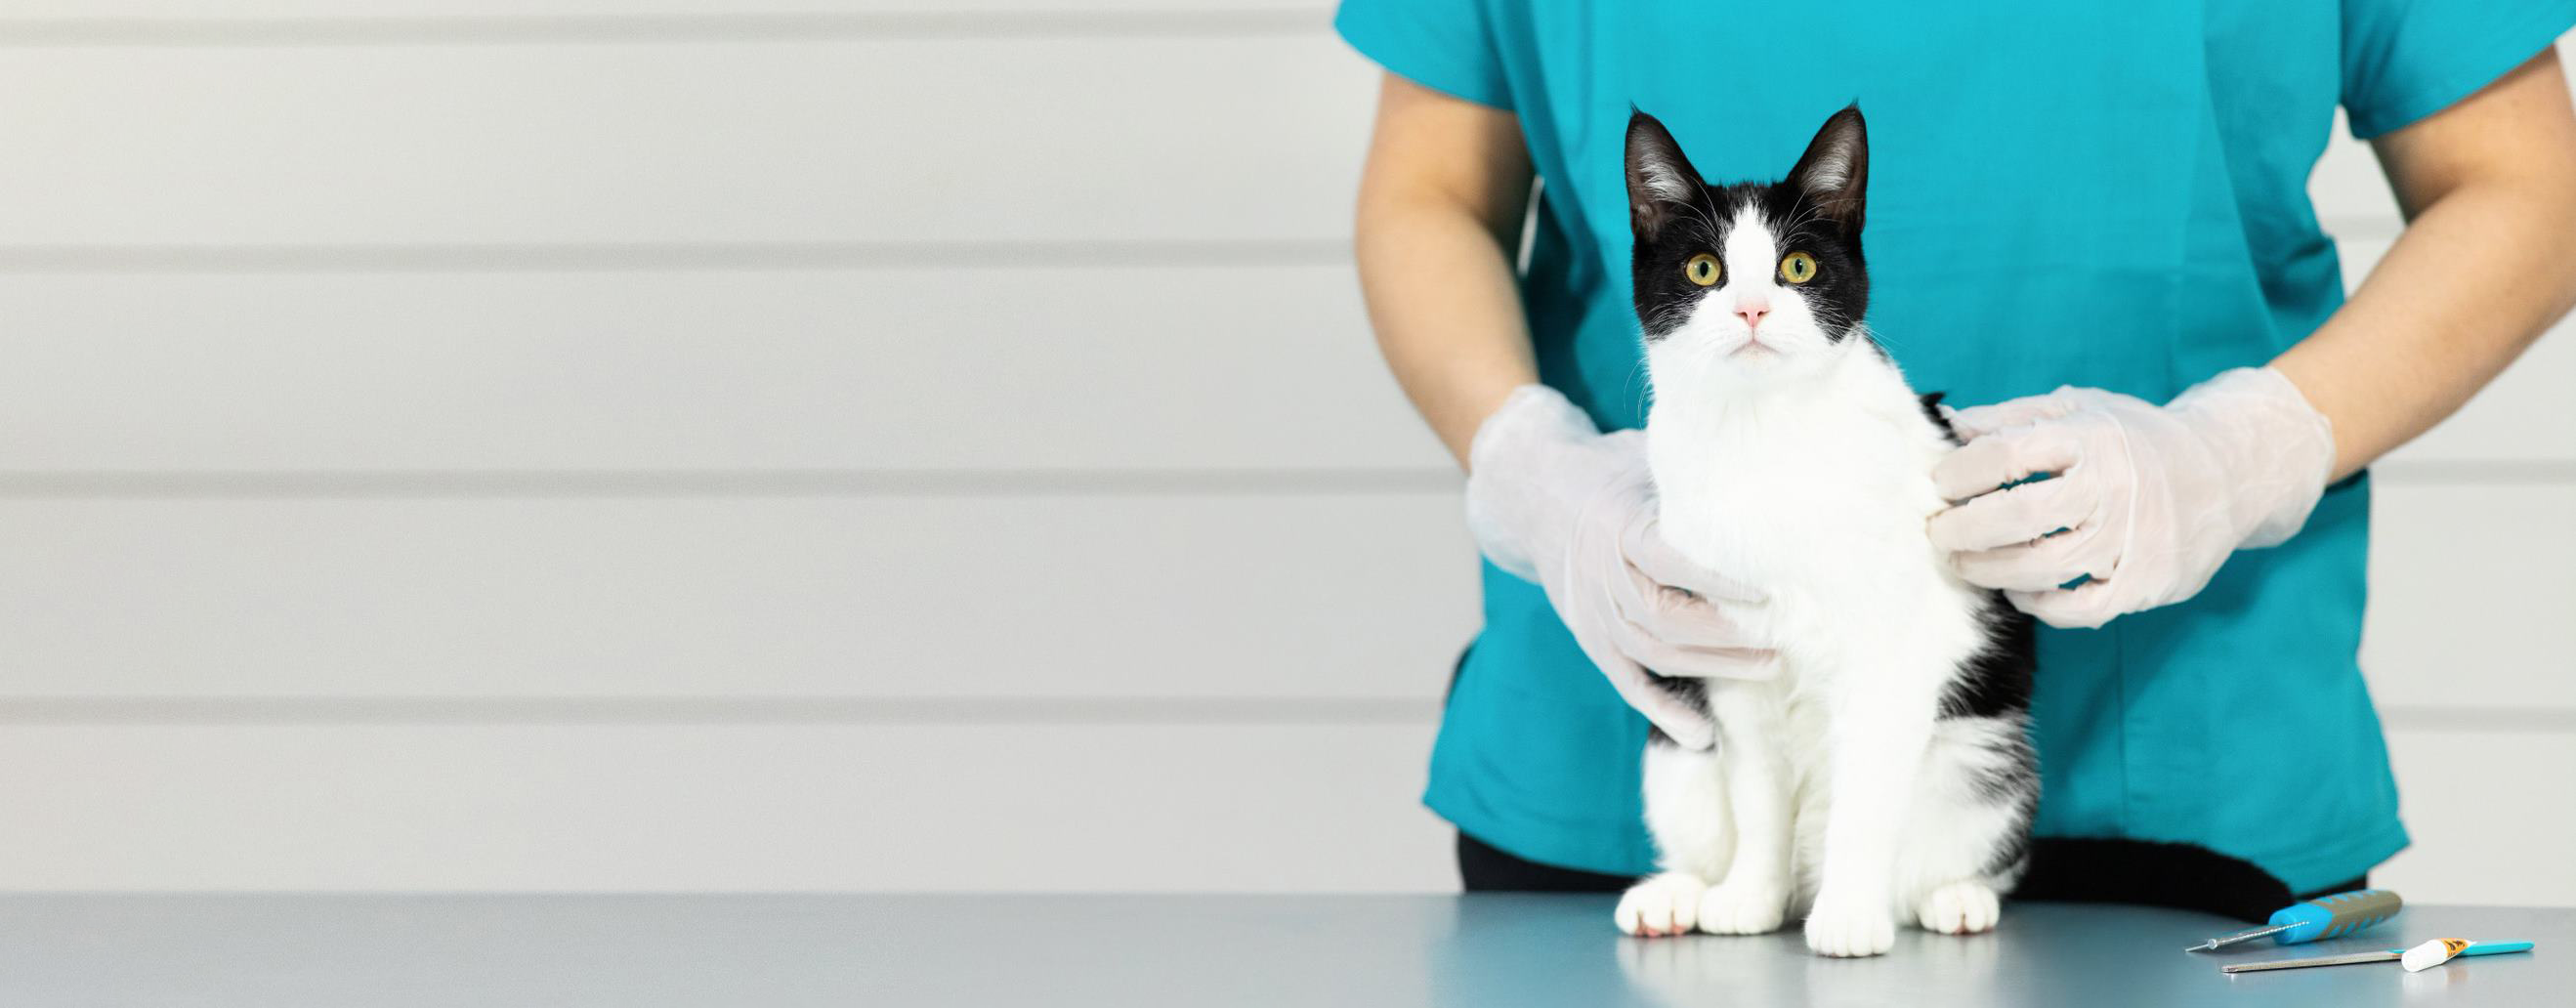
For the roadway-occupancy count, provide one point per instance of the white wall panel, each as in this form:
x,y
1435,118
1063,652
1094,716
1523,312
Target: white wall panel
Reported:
x,y
765,807
1018,365
2493,816
2471,593
1323,595
920,141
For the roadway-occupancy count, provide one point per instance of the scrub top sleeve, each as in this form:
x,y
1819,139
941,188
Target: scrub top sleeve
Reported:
x,y
1443,45
2407,59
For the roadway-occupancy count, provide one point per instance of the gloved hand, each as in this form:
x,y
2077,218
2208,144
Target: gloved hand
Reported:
x,y
1553,500
2147,502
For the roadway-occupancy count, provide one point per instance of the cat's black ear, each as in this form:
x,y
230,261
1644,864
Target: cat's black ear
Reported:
x,y
1661,182
1835,170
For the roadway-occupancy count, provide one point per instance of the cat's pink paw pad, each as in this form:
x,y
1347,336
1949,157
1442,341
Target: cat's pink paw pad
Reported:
x,y
1960,908
1666,904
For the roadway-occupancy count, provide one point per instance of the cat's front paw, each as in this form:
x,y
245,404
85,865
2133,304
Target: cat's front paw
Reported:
x,y
1960,908
1665,904
1744,907
1850,928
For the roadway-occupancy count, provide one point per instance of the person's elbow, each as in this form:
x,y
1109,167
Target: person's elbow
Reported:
x,y
1437,161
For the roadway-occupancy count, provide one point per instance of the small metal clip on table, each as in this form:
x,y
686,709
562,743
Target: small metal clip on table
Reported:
x,y
561,951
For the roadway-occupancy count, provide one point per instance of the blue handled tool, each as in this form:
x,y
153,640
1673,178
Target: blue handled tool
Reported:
x,y
2323,917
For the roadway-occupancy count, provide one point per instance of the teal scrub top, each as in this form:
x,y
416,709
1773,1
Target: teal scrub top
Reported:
x,y
2109,195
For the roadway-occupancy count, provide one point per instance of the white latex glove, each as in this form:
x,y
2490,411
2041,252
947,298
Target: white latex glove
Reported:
x,y
2146,501
1553,500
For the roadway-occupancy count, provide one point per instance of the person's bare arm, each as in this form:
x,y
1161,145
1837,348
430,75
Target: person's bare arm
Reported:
x,y
2486,263
1440,211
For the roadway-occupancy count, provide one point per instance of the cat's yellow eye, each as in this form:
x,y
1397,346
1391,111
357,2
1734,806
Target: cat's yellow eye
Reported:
x,y
1798,267
1702,269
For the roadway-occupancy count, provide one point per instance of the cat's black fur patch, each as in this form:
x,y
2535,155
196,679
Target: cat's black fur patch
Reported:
x,y
1932,412
1691,690
2012,860
1997,682
2015,778
1825,225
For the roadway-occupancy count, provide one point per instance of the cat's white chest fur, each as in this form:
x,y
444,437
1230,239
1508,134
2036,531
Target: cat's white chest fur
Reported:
x,y
1817,494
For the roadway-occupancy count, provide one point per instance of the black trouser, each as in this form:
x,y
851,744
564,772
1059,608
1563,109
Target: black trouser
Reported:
x,y
1483,867
2172,875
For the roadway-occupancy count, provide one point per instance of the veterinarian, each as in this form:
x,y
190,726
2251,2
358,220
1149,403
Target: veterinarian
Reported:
x,y
2090,226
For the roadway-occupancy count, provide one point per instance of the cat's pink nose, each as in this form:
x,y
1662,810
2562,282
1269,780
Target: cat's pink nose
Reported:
x,y
1752,314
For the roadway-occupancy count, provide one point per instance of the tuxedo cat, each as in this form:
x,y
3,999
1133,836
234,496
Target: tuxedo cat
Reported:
x,y
1887,772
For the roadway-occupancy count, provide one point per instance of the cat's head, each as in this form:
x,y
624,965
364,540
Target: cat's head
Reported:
x,y
1750,281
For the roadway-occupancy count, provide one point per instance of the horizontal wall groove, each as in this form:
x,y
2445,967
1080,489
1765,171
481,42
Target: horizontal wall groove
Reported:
x,y
784,710
703,483
589,257
836,710
819,482
679,29
2475,472
2424,717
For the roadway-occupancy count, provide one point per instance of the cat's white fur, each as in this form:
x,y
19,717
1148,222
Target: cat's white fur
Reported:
x,y
1802,465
